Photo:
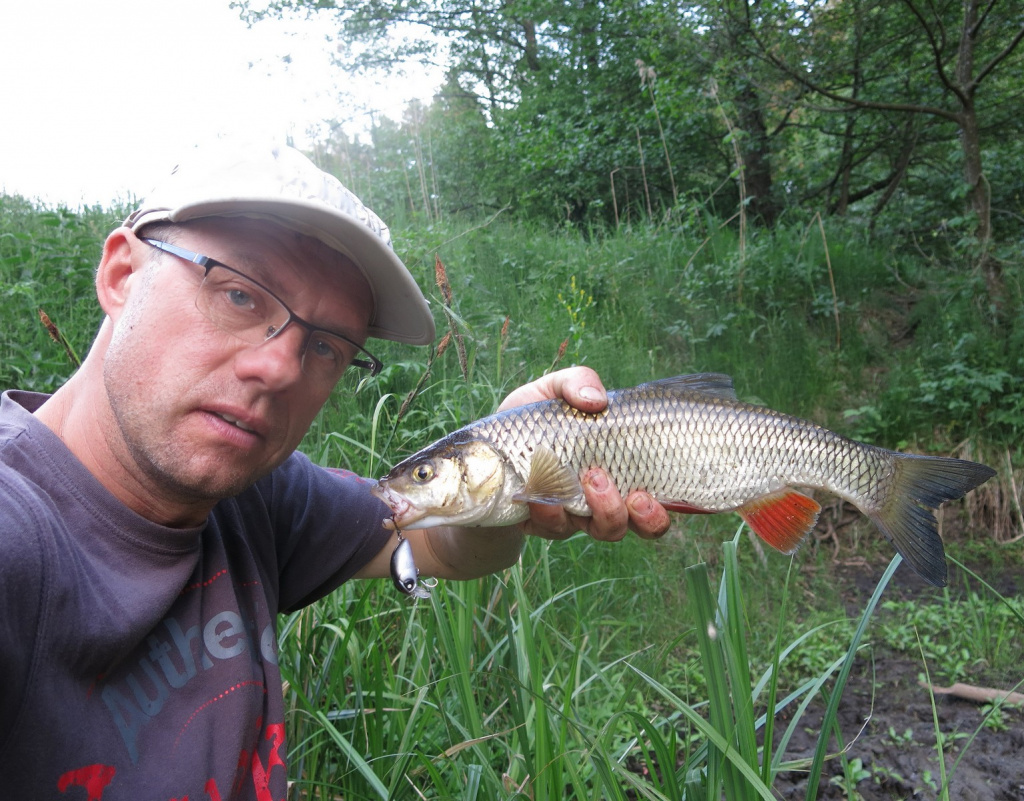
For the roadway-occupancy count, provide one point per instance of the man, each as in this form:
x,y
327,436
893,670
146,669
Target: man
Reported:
x,y
154,514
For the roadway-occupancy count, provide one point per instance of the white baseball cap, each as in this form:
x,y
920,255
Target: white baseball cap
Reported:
x,y
278,183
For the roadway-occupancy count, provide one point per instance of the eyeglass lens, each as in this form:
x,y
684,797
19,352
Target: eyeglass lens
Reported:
x,y
243,308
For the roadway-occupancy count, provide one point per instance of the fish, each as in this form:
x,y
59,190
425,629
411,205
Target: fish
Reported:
x,y
404,573
697,449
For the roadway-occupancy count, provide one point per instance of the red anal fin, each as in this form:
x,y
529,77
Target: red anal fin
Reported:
x,y
781,519
684,508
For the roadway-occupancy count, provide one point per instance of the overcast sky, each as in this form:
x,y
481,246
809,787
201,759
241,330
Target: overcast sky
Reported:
x,y
99,98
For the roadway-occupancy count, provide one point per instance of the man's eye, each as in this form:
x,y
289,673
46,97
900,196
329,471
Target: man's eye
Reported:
x,y
240,299
324,349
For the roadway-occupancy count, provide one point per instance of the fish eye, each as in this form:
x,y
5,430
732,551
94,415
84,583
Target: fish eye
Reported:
x,y
423,472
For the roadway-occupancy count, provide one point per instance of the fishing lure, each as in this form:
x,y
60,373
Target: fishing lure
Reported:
x,y
403,570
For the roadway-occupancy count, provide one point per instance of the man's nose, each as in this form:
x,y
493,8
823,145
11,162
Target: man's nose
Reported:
x,y
277,362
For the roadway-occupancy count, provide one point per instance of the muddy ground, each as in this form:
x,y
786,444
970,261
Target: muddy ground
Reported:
x,y
887,721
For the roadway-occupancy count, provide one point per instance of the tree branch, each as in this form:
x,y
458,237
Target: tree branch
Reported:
x,y
937,54
807,83
1007,51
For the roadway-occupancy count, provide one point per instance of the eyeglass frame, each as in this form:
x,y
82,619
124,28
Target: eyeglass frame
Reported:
x,y
370,363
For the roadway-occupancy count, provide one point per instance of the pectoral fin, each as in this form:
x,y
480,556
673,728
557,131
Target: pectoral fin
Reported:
x,y
550,481
781,519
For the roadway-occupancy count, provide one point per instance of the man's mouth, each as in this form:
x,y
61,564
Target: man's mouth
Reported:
x,y
235,422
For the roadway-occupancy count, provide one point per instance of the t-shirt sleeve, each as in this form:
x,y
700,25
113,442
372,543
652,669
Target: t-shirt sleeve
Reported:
x,y
328,526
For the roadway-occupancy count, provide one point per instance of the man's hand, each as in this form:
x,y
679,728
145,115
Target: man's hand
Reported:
x,y
613,516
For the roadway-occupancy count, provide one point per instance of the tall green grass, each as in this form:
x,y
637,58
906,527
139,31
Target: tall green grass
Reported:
x,y
516,687
860,334
48,259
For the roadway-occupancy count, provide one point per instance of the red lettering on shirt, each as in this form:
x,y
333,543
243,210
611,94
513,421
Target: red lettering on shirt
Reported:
x,y
94,778
211,790
261,772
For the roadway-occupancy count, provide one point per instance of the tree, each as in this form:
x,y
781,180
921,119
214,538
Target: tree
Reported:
x,y
947,52
584,111
564,111
740,86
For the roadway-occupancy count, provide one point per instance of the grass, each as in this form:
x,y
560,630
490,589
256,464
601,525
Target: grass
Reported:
x,y
47,261
524,688
589,670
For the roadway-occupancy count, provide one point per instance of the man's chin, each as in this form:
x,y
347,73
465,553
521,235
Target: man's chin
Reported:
x,y
195,485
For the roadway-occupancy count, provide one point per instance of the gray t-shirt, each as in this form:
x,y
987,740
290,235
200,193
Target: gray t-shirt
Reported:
x,y
138,661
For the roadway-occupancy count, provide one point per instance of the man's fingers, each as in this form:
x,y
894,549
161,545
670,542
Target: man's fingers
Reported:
x,y
609,519
549,522
611,515
579,386
647,518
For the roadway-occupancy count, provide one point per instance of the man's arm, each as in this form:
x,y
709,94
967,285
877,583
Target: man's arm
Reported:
x,y
465,553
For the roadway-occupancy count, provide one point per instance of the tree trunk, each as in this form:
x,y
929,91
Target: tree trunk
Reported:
x,y
899,169
970,141
845,168
756,150
530,47
974,176
846,156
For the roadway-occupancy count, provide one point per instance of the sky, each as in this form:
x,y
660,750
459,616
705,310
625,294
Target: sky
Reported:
x,y
100,98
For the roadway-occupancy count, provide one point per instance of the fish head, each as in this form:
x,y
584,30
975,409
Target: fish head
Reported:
x,y
445,484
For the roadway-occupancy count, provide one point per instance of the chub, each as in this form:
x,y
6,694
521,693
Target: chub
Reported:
x,y
692,445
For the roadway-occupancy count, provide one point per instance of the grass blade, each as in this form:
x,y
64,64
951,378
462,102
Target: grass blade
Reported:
x,y
818,761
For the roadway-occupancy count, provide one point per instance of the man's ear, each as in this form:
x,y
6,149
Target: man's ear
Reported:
x,y
114,276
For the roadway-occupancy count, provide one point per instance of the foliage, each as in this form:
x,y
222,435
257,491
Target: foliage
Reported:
x,y
47,262
636,111
974,638
809,323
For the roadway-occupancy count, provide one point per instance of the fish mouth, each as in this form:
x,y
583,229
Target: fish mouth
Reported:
x,y
403,513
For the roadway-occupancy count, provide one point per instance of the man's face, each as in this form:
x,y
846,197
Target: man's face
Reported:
x,y
198,414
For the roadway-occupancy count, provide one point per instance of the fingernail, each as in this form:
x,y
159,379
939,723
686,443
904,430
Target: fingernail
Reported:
x,y
591,394
641,504
598,480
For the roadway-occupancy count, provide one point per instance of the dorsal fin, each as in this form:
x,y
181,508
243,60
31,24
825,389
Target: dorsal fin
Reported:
x,y
714,385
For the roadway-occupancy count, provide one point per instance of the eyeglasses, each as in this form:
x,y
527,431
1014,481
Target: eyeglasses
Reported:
x,y
242,306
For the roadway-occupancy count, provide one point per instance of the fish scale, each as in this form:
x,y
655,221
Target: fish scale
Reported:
x,y
691,444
